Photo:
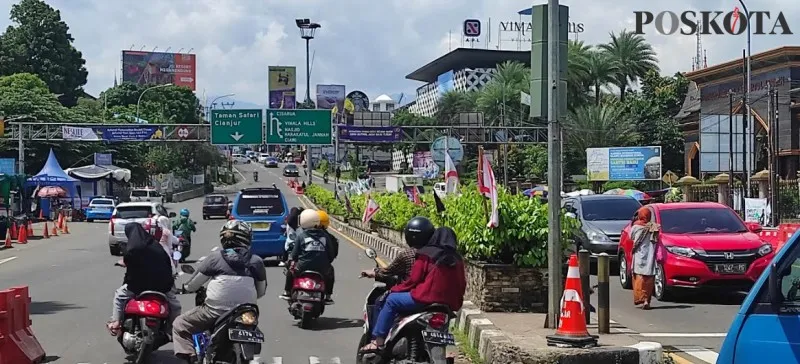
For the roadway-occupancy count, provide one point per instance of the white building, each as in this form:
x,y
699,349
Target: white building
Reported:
x,y
383,103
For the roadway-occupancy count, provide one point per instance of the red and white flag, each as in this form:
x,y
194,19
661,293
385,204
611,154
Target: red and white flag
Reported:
x,y
487,186
370,210
450,174
416,197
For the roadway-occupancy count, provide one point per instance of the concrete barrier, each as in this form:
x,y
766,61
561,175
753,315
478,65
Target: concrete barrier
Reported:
x,y
188,195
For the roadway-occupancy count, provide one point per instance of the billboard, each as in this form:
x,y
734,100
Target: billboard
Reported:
x,y
282,87
330,96
360,100
623,164
158,68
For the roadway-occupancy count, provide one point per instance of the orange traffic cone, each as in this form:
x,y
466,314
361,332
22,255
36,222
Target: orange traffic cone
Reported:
x,y
45,233
54,231
8,239
571,330
23,236
13,230
60,221
30,228
66,228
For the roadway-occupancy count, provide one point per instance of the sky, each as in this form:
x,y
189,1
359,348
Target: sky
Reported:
x,y
366,45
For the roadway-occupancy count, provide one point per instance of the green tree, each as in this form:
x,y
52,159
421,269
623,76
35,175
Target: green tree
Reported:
x,y
604,125
633,57
39,42
601,71
452,103
501,96
25,94
578,79
527,161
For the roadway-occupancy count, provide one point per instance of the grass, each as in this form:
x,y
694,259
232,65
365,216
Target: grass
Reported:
x,y
468,351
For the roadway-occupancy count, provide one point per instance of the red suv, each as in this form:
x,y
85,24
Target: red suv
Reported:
x,y
707,245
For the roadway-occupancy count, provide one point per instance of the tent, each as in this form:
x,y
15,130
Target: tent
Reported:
x,y
53,175
98,180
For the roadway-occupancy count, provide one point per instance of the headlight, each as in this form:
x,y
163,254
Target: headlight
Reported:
x,y
599,237
765,249
679,250
248,318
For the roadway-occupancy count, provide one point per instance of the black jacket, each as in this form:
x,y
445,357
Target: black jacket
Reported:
x,y
148,266
311,250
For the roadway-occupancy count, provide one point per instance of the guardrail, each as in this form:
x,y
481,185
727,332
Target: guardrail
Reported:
x,y
188,195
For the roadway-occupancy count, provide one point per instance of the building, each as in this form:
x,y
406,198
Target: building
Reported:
x,y
383,103
706,123
463,69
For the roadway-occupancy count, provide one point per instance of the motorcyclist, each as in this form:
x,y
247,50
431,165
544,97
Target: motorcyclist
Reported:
x,y
292,224
185,224
234,277
333,248
148,268
255,176
310,252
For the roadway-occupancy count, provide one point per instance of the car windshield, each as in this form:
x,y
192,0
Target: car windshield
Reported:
x,y
609,209
101,202
134,212
139,193
701,221
291,167
270,204
215,200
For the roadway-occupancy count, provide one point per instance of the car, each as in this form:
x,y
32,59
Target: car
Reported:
x,y
215,205
263,157
130,212
291,170
146,194
239,159
602,218
271,162
100,208
265,209
707,245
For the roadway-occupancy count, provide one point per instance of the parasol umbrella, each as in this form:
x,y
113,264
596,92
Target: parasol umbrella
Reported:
x,y
639,195
51,191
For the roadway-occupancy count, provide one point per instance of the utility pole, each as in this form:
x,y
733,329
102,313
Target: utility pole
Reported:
x,y
775,204
745,140
746,91
730,149
554,261
505,143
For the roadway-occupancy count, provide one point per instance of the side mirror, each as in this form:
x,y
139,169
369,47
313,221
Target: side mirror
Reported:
x,y
774,289
172,214
371,253
176,255
754,227
188,269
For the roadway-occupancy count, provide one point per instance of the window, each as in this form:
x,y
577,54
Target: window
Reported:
x,y
96,202
701,221
715,143
215,200
134,212
139,193
269,204
376,107
161,210
389,107
155,194
611,209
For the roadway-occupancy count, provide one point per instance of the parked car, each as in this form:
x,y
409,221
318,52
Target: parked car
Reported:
x,y
215,205
264,208
239,159
130,212
291,170
602,218
147,194
707,244
100,208
271,162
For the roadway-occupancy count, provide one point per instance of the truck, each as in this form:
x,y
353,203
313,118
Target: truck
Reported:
x,y
399,182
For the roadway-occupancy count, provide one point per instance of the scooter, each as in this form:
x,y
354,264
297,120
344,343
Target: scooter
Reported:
x,y
307,299
255,176
184,245
235,337
325,178
421,337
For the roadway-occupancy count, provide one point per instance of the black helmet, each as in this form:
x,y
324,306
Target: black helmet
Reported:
x,y
418,232
235,234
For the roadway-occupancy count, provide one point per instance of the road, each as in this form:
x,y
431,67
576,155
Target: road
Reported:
x,y
72,281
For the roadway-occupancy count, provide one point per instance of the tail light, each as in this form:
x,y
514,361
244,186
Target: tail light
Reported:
x,y
111,224
248,318
150,308
308,284
437,320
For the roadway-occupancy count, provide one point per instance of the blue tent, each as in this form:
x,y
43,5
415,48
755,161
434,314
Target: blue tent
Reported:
x,y
53,175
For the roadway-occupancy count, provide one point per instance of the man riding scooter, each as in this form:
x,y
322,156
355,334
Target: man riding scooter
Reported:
x,y
310,253
255,176
186,226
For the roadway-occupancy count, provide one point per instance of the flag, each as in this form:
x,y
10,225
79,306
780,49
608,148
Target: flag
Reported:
x,y
450,174
439,203
415,196
370,210
488,187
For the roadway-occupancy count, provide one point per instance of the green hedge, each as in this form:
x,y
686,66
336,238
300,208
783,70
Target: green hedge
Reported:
x,y
521,238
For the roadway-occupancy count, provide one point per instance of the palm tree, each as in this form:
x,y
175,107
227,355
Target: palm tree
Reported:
x,y
578,78
501,96
453,103
632,55
604,125
600,71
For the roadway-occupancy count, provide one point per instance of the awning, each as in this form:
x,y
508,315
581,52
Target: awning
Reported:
x,y
94,172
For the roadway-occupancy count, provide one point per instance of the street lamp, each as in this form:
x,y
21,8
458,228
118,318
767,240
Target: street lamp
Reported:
x,y
307,30
746,100
142,94
211,104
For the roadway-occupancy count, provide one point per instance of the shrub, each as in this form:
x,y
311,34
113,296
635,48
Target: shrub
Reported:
x,y
325,200
323,166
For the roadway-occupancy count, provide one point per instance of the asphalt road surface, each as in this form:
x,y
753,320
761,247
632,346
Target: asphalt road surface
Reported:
x,y
72,281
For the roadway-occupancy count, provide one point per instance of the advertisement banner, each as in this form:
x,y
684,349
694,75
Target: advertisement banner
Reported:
x,y
373,134
360,100
8,166
623,164
132,134
78,133
103,159
330,96
158,68
282,87
424,166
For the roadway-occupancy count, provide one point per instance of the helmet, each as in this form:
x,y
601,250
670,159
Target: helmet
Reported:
x,y
418,232
235,234
151,226
185,212
324,219
309,219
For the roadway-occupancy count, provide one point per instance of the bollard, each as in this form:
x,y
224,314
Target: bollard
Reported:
x,y
603,314
585,267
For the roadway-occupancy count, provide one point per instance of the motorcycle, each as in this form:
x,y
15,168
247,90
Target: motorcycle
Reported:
x,y
325,178
235,337
183,245
420,337
255,176
307,299
144,323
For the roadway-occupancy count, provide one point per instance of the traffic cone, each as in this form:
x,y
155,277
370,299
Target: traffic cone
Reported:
x,y
8,239
54,231
60,222
45,233
30,228
572,330
14,230
23,236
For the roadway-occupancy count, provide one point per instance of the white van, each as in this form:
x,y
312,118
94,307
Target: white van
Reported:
x,y
239,159
146,194
440,189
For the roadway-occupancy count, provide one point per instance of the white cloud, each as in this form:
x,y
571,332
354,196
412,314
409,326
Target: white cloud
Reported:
x,y
366,45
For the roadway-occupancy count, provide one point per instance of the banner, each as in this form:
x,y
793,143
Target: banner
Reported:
x,y
158,68
131,134
8,166
424,166
623,164
377,134
103,159
330,96
282,87
360,100
78,133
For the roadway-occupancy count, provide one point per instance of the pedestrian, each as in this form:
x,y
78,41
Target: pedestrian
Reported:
x,y
645,237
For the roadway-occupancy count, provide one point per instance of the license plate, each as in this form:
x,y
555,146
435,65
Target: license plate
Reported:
x,y
730,268
438,338
245,336
261,225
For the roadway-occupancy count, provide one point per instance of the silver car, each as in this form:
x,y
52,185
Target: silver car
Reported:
x,y
130,212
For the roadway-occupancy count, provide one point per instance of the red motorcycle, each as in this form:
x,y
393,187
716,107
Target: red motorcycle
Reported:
x,y
307,301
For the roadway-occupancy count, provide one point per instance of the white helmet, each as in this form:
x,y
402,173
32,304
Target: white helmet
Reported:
x,y
309,219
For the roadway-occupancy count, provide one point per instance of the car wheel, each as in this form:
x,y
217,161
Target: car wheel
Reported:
x,y
89,220
662,291
624,273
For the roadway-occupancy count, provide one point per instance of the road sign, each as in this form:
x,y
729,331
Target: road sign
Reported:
x,y
472,28
311,127
670,178
183,132
234,127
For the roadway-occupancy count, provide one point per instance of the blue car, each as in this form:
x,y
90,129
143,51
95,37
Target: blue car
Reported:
x,y
100,208
264,209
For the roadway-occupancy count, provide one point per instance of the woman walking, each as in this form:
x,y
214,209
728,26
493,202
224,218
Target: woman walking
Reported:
x,y
645,237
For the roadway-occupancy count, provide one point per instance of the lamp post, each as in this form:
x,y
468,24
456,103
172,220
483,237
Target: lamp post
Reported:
x,y
746,102
144,92
210,105
307,30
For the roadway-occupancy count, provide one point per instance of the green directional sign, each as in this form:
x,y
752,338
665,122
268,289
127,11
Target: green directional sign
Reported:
x,y
312,127
235,127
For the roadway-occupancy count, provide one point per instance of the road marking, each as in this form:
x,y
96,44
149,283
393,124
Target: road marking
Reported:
x,y
699,352
277,360
313,360
682,334
214,248
7,260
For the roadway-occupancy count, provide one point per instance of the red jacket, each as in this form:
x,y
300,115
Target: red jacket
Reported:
x,y
430,283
